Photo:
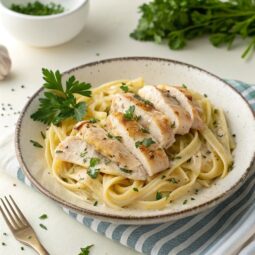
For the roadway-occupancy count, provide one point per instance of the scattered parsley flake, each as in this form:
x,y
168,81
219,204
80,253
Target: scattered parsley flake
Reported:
x,y
185,202
124,87
58,151
125,170
145,130
158,195
43,135
93,120
145,142
135,189
36,144
119,138
95,204
43,217
173,180
43,226
173,125
86,250
184,86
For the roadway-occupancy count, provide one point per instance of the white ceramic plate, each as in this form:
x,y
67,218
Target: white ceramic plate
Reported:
x,y
154,71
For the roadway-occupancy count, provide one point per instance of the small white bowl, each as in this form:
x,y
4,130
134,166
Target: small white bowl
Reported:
x,y
45,31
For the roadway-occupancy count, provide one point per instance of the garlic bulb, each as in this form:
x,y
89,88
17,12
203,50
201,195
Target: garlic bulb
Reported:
x,y
5,62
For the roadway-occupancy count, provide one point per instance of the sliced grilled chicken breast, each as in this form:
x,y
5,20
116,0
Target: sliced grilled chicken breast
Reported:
x,y
77,151
184,97
180,118
110,146
151,155
155,122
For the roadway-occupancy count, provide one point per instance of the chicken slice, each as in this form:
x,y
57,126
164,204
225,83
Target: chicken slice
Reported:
x,y
109,146
152,156
180,118
155,122
77,151
184,97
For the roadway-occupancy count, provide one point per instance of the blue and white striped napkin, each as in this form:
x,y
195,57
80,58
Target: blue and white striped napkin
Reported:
x,y
219,230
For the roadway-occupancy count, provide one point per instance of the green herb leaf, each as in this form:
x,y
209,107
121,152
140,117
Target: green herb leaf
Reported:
x,y
129,113
124,87
86,250
37,8
36,144
58,103
145,142
43,226
43,217
119,138
135,189
93,172
125,170
177,22
158,195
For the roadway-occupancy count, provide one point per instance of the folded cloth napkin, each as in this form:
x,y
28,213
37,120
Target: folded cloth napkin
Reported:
x,y
219,230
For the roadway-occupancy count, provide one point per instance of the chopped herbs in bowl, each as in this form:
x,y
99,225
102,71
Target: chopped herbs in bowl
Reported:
x,y
38,9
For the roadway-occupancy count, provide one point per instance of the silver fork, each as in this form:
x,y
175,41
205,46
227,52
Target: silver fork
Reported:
x,y
19,225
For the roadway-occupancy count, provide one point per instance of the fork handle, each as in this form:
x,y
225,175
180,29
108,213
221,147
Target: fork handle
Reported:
x,y
37,246
41,250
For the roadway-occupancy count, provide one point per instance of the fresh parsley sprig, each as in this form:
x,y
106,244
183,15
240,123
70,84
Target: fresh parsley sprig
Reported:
x,y
59,103
177,22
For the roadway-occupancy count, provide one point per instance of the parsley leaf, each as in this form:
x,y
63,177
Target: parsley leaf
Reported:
x,y
36,144
125,170
146,142
124,87
158,195
177,22
58,103
129,113
43,217
93,171
86,250
117,137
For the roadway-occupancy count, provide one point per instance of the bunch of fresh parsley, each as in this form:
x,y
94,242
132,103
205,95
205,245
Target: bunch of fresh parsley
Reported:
x,y
179,21
60,103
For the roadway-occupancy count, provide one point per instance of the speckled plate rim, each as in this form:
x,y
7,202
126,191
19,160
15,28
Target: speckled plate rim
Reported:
x,y
129,219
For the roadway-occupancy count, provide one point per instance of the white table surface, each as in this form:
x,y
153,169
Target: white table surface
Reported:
x,y
106,35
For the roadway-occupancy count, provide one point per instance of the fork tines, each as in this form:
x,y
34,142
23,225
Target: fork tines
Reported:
x,y
12,214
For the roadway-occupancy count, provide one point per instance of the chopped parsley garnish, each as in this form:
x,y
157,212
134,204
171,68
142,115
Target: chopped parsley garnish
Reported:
x,y
60,103
93,120
43,217
158,195
193,198
43,135
178,157
145,142
94,161
234,135
86,250
130,114
185,201
184,86
5,234
124,87
22,248
43,226
173,125
83,153
145,130
135,189
36,144
93,171
58,151
163,177
143,100
95,204
173,180
4,244
38,9
125,170
205,95
119,138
